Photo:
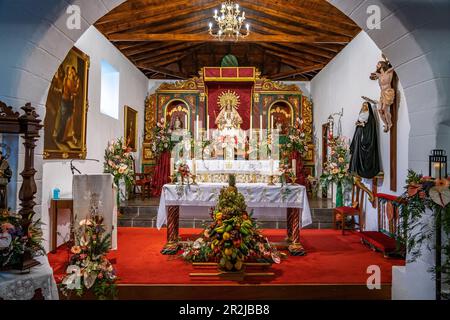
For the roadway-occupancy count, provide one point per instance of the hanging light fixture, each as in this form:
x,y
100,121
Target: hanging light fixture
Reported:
x,y
229,22
437,164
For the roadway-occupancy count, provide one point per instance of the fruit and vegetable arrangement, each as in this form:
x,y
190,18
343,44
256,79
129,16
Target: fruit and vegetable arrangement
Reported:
x,y
233,236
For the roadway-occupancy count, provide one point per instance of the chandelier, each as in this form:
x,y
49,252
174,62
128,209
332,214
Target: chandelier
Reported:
x,y
229,22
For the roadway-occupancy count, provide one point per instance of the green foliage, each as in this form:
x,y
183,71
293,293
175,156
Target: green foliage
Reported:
x,y
422,193
16,241
232,237
119,162
89,256
336,169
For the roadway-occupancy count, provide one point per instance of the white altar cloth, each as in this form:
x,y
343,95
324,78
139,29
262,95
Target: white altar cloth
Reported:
x,y
23,286
257,196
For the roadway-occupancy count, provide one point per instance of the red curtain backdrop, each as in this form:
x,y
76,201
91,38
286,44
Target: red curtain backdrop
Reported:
x,y
243,90
162,172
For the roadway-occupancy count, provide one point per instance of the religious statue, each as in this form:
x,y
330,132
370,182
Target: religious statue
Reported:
x,y
177,125
384,74
5,178
365,160
228,118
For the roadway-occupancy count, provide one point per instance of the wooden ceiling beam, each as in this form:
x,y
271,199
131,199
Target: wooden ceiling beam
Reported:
x,y
165,51
295,53
324,26
286,74
140,13
253,37
314,14
164,71
200,5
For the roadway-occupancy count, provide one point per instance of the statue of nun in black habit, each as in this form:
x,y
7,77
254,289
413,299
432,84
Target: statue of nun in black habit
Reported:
x,y
365,159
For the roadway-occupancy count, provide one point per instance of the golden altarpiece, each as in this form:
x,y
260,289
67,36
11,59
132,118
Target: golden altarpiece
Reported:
x,y
262,101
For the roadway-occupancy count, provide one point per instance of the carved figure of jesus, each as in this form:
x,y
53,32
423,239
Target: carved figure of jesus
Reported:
x,y
384,74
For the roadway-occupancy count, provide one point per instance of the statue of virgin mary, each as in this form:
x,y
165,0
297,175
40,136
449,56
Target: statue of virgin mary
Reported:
x,y
228,121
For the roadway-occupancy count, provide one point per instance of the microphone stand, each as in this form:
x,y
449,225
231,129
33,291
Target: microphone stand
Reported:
x,y
73,168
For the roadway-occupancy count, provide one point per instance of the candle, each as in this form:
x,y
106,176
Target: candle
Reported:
x,y
251,127
185,121
271,166
294,166
271,123
260,127
196,128
194,167
207,127
172,164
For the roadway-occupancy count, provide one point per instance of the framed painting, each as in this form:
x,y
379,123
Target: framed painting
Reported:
x,y
130,126
66,109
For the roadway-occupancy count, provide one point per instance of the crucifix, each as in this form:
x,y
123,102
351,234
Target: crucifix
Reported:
x,y
388,110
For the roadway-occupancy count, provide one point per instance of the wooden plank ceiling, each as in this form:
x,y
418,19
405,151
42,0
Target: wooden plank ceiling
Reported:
x,y
289,40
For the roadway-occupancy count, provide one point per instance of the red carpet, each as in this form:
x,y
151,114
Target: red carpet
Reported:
x,y
331,259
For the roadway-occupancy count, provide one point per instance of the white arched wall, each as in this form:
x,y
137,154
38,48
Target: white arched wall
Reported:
x,y
414,35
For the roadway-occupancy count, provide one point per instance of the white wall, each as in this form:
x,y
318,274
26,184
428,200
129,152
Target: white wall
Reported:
x,y
340,85
100,128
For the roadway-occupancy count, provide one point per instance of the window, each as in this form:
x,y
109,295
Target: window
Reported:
x,y
109,98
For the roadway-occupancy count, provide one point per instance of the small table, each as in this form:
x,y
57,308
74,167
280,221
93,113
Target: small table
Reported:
x,y
55,206
25,286
257,195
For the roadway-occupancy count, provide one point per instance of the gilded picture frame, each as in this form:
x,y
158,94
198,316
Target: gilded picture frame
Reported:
x,y
65,122
131,127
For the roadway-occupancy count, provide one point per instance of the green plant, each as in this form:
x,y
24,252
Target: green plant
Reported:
x,y
422,194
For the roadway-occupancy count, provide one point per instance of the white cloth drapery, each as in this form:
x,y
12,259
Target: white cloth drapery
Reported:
x,y
257,195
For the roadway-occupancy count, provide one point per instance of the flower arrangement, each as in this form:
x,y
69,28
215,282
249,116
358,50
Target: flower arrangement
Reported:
x,y
162,140
119,162
314,183
297,139
233,236
15,242
182,170
92,268
286,172
336,169
422,193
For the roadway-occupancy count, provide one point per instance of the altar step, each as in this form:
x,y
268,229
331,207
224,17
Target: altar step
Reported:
x,y
138,213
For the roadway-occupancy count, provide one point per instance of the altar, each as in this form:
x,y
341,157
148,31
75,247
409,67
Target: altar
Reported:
x,y
277,200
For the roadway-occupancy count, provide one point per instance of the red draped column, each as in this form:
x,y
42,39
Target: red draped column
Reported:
x,y
162,172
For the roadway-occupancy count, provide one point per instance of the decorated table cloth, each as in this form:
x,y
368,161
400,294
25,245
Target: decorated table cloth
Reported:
x,y
23,286
257,195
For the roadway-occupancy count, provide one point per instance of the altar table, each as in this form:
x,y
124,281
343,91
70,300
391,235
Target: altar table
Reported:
x,y
257,195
